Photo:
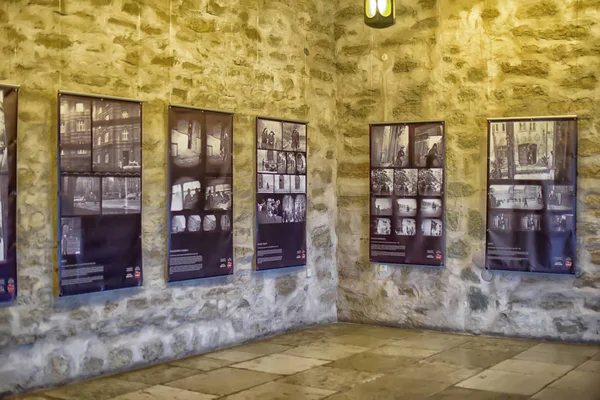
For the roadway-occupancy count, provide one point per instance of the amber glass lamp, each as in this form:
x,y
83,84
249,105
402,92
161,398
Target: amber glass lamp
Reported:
x,y
380,14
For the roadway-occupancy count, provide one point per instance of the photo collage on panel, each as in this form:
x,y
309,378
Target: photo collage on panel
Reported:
x,y
532,194
100,186
8,193
201,194
407,181
281,193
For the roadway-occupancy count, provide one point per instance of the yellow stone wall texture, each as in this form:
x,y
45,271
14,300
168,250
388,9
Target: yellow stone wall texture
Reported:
x,y
464,61
251,57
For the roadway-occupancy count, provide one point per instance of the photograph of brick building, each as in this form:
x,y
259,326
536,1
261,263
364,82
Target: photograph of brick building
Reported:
x,y
75,134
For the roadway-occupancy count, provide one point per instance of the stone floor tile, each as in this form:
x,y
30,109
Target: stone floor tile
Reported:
x,y
232,355
223,381
579,380
339,328
384,332
391,350
157,375
359,340
164,393
201,363
596,357
432,341
30,397
469,358
329,378
281,391
98,389
374,363
590,366
281,364
301,338
263,348
326,351
553,355
533,367
498,344
507,382
392,388
436,371
551,393
456,393
582,350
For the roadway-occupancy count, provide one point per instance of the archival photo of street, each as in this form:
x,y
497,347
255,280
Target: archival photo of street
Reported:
x,y
562,223
75,134
516,197
178,224
406,207
430,181
116,136
268,161
218,194
406,227
70,242
382,181
561,197
501,222
186,141
301,163
294,136
431,208
282,183
210,223
121,195
382,226
219,143
381,206
291,163
525,150
531,222
389,146
265,183
405,182
429,146
431,227
269,134
298,183
194,223
225,223
80,195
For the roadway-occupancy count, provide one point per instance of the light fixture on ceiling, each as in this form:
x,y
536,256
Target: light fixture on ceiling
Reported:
x,y
380,14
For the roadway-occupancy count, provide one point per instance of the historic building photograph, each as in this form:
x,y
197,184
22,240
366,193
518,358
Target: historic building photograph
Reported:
x,y
75,134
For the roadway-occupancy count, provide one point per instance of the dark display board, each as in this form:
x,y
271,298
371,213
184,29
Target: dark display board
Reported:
x,y
201,193
532,187
100,194
407,193
8,193
281,167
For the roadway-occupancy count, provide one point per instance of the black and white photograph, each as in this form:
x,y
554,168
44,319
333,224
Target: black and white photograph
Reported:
x,y
186,194
178,224
268,161
176,198
429,146
218,194
531,223
186,142
219,142
121,195
70,242
281,162
381,206
3,136
269,134
209,224
562,223
194,223
270,209
405,182
265,183
80,195
406,227
300,163
291,163
294,136
389,146
516,197
299,209
501,222
406,207
116,136
522,150
383,226
431,227
430,181
431,208
282,183
2,233
382,181
225,223
298,183
75,134
561,197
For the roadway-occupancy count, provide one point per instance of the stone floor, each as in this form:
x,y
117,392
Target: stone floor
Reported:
x,y
346,361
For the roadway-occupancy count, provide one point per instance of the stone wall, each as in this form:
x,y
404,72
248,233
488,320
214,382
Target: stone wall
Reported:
x,y
250,57
465,61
